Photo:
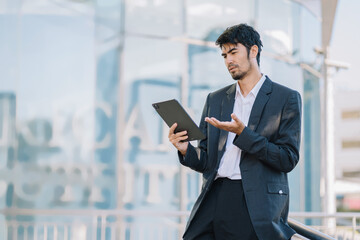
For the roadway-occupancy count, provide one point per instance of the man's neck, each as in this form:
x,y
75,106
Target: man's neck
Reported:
x,y
249,82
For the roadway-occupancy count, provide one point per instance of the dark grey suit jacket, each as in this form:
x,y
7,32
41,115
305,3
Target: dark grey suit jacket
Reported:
x,y
270,149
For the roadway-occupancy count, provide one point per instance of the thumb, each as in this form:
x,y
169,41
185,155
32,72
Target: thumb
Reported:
x,y
233,116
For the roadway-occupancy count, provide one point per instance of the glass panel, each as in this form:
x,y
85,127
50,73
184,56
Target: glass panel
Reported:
x,y
154,17
54,104
276,26
310,36
312,143
207,19
65,107
105,171
152,73
207,72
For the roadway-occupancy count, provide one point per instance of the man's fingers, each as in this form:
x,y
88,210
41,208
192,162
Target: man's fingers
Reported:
x,y
172,129
180,134
210,119
213,121
177,135
177,138
217,123
232,126
183,137
175,141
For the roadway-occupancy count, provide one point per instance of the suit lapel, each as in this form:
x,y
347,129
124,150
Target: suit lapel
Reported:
x,y
259,104
227,107
258,107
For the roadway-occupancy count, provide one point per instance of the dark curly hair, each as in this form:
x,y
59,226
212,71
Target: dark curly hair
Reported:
x,y
244,34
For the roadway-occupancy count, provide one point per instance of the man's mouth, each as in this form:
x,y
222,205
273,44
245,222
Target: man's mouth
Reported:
x,y
231,68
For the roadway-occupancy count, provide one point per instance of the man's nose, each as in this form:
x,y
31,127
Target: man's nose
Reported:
x,y
229,60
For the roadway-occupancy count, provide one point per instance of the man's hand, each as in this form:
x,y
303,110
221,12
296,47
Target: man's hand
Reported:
x,y
176,138
235,126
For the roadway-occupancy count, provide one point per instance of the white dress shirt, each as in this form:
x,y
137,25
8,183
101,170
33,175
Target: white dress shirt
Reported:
x,y
230,162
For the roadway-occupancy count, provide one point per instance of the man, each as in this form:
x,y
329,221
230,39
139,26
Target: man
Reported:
x,y
252,141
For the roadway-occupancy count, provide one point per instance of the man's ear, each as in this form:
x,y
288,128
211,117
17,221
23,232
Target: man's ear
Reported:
x,y
254,51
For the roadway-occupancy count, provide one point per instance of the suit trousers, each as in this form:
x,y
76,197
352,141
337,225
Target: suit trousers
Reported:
x,y
223,214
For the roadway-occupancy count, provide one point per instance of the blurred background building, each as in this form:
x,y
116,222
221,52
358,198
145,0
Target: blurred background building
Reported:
x,y
347,150
83,155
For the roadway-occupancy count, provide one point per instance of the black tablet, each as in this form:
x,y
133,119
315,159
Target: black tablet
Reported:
x,y
172,112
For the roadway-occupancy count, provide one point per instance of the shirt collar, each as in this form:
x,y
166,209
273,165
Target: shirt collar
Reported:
x,y
255,89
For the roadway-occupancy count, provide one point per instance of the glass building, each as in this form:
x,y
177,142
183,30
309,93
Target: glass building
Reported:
x,y
83,154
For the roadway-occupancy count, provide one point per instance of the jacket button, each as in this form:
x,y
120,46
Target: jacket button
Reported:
x,y
281,192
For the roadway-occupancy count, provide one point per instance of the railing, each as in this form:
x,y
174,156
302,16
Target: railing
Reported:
x,y
26,224
340,225
307,232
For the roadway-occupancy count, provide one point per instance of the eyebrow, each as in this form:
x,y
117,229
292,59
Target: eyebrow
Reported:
x,y
233,49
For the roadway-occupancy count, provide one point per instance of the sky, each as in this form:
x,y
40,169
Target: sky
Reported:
x,y
345,45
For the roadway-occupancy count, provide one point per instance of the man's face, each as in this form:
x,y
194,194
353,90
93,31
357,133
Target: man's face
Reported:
x,y
236,60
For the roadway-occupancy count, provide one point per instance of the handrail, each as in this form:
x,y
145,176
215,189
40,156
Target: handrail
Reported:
x,y
301,229
324,215
92,212
88,212
307,231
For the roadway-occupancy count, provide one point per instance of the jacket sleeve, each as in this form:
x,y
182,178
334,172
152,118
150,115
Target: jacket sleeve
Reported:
x,y
196,157
282,154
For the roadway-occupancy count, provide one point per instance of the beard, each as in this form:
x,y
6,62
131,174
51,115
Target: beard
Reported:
x,y
240,75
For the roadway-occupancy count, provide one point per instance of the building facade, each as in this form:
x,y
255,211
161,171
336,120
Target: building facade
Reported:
x,y
347,149
347,132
